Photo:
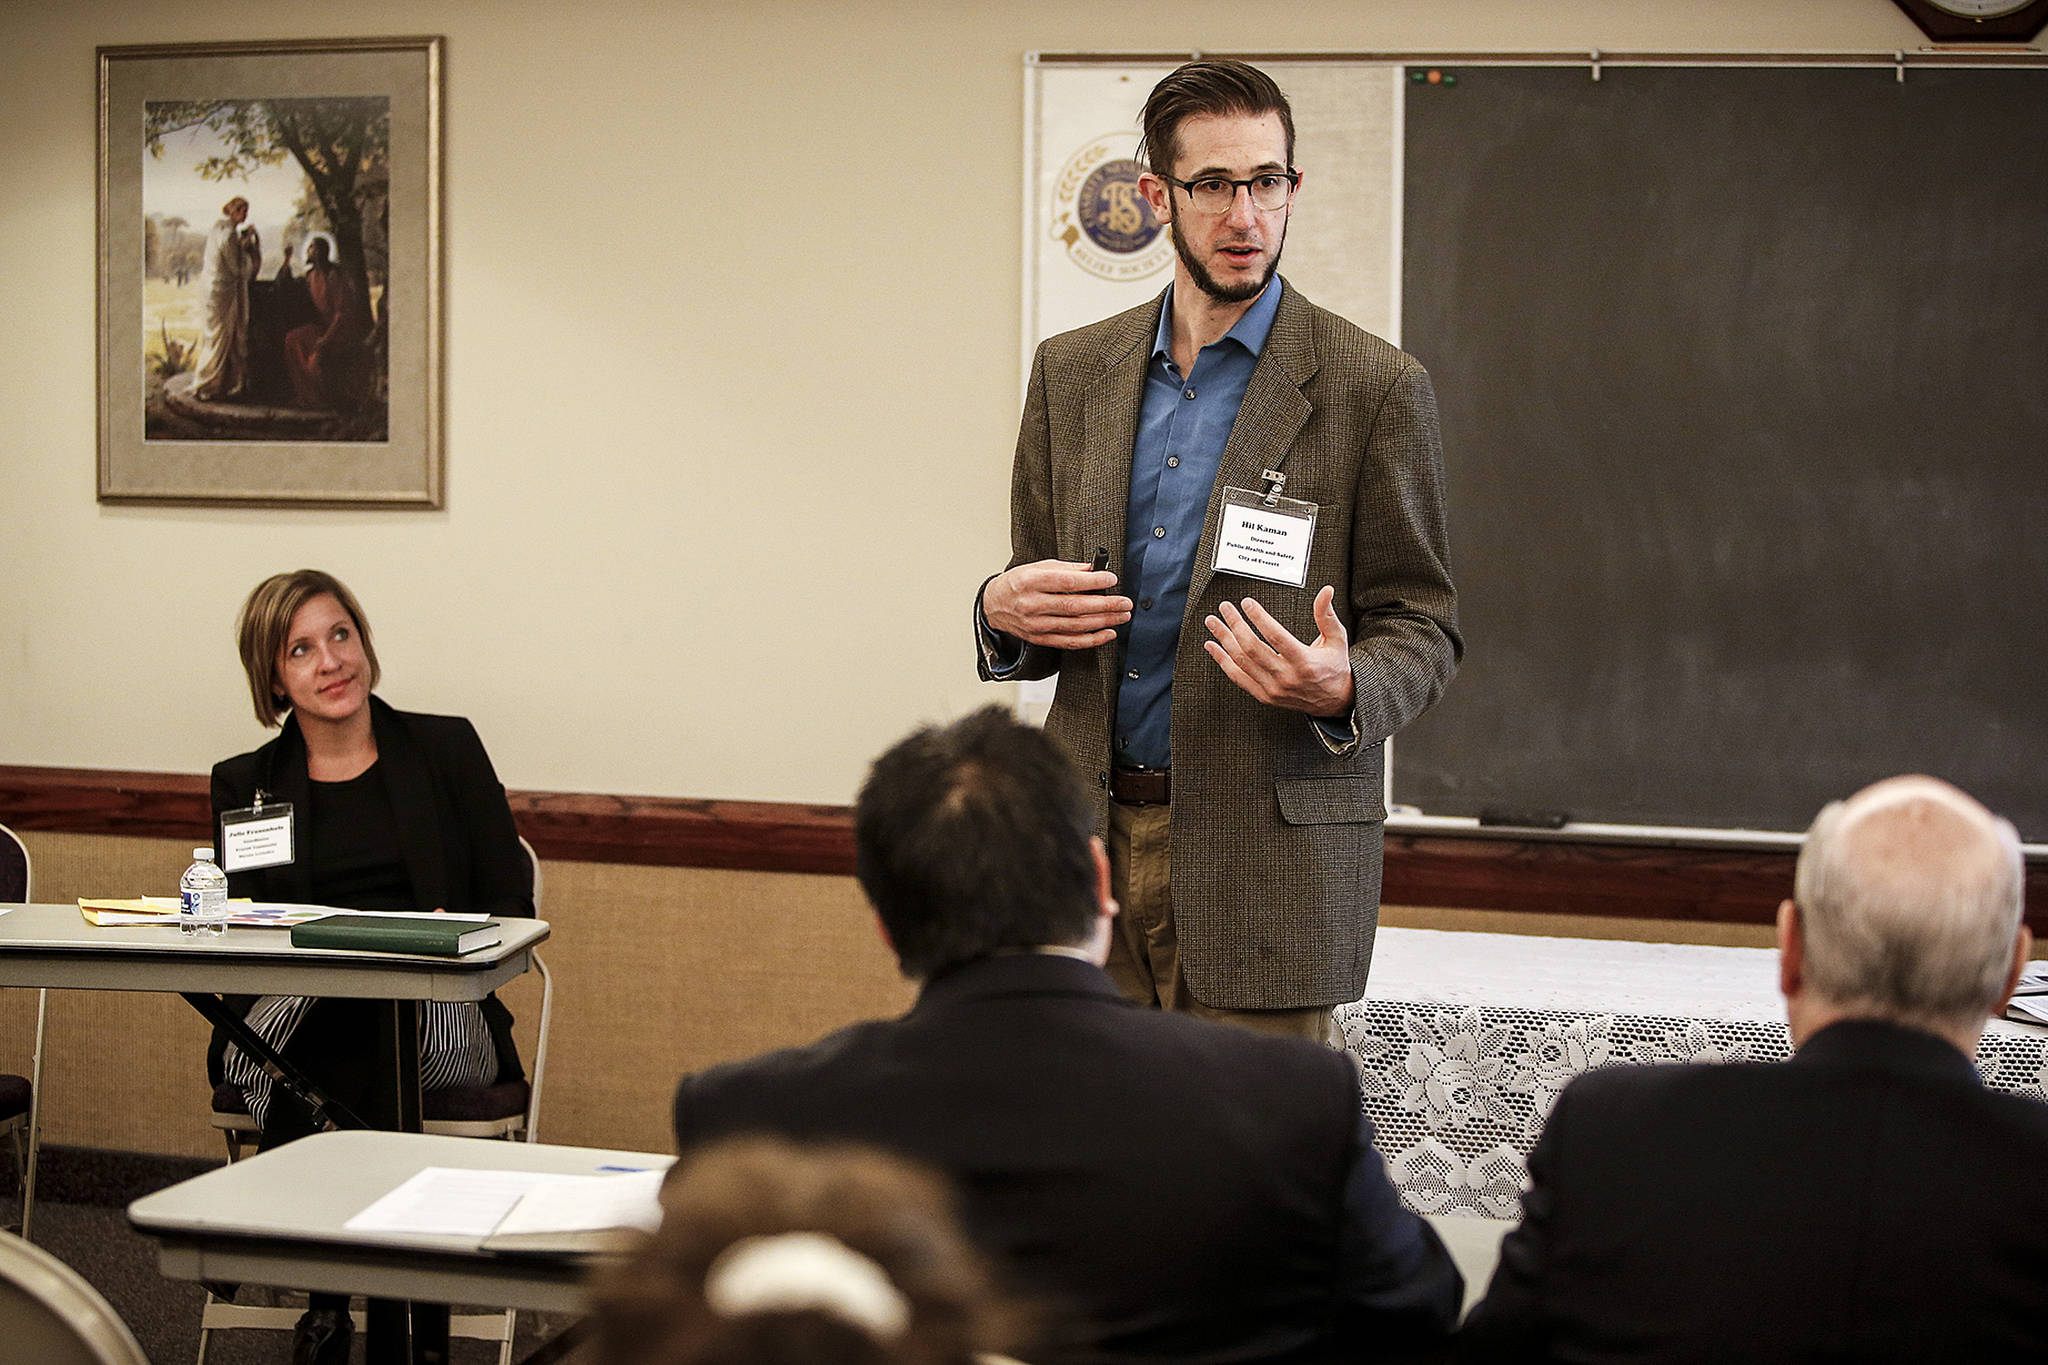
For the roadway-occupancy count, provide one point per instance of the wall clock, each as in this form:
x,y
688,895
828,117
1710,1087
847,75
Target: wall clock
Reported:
x,y
1977,21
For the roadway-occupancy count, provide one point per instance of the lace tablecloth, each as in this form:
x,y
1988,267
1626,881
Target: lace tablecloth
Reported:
x,y
1463,1042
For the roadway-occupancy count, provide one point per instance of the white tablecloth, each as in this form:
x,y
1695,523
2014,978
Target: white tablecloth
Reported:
x,y
1463,1042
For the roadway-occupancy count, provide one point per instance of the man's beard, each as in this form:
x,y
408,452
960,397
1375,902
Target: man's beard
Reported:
x,y
1209,284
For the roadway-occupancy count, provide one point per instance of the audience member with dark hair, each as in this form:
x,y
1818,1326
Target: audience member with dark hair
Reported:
x,y
773,1254
1157,1187
1869,1200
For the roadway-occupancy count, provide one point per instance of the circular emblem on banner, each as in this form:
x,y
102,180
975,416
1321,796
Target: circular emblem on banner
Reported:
x,y
1100,217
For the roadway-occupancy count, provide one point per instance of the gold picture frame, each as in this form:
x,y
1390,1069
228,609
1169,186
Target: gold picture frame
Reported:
x,y
287,352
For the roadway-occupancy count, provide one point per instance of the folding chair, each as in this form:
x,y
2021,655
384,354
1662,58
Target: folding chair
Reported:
x,y
20,1110
50,1315
507,1109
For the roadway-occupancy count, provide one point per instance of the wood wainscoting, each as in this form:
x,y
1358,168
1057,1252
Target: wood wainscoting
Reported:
x,y
1630,881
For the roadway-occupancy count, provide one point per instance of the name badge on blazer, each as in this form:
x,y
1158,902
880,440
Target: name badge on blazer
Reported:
x,y
1264,536
260,836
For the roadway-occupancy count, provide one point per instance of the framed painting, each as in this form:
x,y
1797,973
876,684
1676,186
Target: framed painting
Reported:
x,y
270,273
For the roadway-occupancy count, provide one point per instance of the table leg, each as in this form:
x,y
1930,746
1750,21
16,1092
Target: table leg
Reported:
x,y
385,1338
430,1334
408,1336
405,1028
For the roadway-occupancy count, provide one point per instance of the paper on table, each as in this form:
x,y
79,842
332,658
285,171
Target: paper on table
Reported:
x,y
2028,1009
281,908
589,1203
444,1201
241,913
451,1202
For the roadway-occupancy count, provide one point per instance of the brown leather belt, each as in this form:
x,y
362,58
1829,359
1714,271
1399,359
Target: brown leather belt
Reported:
x,y
1142,786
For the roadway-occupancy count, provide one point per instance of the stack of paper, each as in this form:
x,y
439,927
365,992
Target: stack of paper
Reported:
x,y
527,1211
246,913
2030,998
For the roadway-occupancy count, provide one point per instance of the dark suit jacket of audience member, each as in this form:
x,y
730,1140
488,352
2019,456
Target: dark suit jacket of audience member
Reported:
x,y
1182,1190
1868,1200
460,847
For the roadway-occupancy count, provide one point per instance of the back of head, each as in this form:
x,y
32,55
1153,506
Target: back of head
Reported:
x,y
774,1254
1910,895
1211,89
972,838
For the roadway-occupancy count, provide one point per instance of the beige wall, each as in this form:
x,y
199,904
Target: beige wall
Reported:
x,y
723,465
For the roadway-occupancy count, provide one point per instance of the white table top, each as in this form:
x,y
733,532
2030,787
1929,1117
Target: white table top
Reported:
x,y
1598,976
55,946
277,1218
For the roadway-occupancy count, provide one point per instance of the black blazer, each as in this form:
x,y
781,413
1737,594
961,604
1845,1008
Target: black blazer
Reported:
x,y
460,847
1869,1200
1162,1187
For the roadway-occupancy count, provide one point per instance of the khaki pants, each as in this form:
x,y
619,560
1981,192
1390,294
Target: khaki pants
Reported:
x,y
1144,950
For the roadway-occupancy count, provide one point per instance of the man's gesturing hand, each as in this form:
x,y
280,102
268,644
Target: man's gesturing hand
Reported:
x,y
1259,655
1055,603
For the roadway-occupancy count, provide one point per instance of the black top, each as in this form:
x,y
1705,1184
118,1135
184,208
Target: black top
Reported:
x,y
1163,1188
351,840
1869,1201
450,821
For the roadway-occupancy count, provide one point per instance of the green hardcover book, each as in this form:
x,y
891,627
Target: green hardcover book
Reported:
x,y
437,936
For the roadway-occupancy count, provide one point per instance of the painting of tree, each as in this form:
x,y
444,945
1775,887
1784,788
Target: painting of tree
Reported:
x,y
269,272
342,144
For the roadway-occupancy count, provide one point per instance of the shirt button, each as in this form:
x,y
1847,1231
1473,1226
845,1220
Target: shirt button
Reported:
x,y
1159,533
1132,674
1123,744
1145,602
1173,462
1187,393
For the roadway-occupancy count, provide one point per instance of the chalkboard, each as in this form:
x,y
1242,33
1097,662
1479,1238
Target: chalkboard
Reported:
x,y
1744,382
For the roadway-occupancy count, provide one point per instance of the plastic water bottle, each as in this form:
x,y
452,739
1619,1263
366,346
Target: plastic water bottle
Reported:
x,y
202,896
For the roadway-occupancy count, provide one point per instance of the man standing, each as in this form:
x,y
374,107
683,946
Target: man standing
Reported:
x,y
1163,1188
1263,485
1869,1200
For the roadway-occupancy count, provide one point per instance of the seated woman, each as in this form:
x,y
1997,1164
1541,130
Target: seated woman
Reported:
x,y
774,1254
392,811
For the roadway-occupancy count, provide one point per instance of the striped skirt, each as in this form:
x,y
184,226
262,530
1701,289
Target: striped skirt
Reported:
x,y
456,1047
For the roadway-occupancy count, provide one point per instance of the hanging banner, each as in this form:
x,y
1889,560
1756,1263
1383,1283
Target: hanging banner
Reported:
x,y
1093,247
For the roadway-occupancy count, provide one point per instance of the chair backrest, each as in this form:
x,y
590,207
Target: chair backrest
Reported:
x,y
49,1314
16,875
547,1009
533,858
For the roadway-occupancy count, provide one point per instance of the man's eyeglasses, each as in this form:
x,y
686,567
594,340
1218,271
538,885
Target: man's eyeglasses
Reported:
x,y
1215,194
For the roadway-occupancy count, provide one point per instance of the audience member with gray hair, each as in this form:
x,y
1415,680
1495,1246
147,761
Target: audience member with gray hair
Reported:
x,y
1869,1200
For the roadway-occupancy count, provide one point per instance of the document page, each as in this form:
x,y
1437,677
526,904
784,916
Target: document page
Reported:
x,y
446,1201
589,1203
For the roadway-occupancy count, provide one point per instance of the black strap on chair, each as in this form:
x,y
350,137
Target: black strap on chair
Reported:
x,y
330,1113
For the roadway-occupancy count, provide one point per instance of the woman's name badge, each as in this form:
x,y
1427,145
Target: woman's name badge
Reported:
x,y
1262,535
260,836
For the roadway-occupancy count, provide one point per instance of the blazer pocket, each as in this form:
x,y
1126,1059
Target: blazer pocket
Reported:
x,y
1330,800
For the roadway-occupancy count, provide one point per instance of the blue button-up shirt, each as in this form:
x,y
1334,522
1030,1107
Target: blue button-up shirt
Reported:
x,y
1183,423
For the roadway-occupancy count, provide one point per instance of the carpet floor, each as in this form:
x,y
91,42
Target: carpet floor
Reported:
x,y
82,1196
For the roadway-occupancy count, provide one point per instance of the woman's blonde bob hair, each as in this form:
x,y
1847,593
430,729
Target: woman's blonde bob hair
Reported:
x,y
266,621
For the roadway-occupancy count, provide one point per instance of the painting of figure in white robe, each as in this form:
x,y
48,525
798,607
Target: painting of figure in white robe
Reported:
x,y
236,345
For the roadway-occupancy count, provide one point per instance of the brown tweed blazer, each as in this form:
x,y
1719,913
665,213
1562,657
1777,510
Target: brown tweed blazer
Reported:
x,y
1276,837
